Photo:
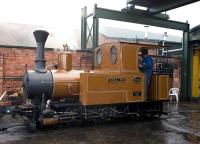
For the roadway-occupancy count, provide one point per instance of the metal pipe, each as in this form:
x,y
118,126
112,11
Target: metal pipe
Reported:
x,y
174,50
40,37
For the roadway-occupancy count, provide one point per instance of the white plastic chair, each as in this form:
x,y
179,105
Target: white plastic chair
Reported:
x,y
174,92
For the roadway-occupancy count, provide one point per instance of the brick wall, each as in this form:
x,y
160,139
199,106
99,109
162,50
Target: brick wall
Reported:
x,y
82,60
13,61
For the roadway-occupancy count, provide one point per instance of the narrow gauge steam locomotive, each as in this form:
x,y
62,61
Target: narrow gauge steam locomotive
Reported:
x,y
114,88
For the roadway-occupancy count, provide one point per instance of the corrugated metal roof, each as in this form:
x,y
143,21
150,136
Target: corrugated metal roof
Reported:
x,y
132,34
13,34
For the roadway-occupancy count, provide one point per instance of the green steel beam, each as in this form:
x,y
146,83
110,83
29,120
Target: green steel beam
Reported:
x,y
145,13
158,6
163,6
83,28
186,80
95,32
126,17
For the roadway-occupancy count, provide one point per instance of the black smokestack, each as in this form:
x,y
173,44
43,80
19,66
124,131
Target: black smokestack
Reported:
x,y
40,37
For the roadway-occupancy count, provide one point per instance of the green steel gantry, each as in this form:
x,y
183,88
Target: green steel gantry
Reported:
x,y
140,19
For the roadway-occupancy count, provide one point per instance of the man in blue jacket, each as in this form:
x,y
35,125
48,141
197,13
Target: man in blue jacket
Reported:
x,y
146,66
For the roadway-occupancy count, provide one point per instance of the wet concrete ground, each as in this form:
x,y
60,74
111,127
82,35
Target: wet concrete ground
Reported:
x,y
181,126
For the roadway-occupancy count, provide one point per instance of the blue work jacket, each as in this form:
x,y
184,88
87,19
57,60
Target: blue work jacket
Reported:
x,y
147,63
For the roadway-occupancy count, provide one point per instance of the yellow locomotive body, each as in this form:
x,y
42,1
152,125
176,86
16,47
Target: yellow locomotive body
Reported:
x,y
115,85
115,78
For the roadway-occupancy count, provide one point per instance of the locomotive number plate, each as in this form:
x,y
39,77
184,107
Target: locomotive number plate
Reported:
x,y
116,79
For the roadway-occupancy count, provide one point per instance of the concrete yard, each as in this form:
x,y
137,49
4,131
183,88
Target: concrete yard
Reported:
x,y
181,126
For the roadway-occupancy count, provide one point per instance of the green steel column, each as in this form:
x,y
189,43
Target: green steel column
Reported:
x,y
186,80
95,28
83,28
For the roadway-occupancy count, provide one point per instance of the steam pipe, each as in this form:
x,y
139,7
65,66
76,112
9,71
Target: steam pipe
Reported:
x,y
40,37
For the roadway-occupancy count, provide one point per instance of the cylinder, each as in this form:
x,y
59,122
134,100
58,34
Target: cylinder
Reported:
x,y
40,37
49,121
65,60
